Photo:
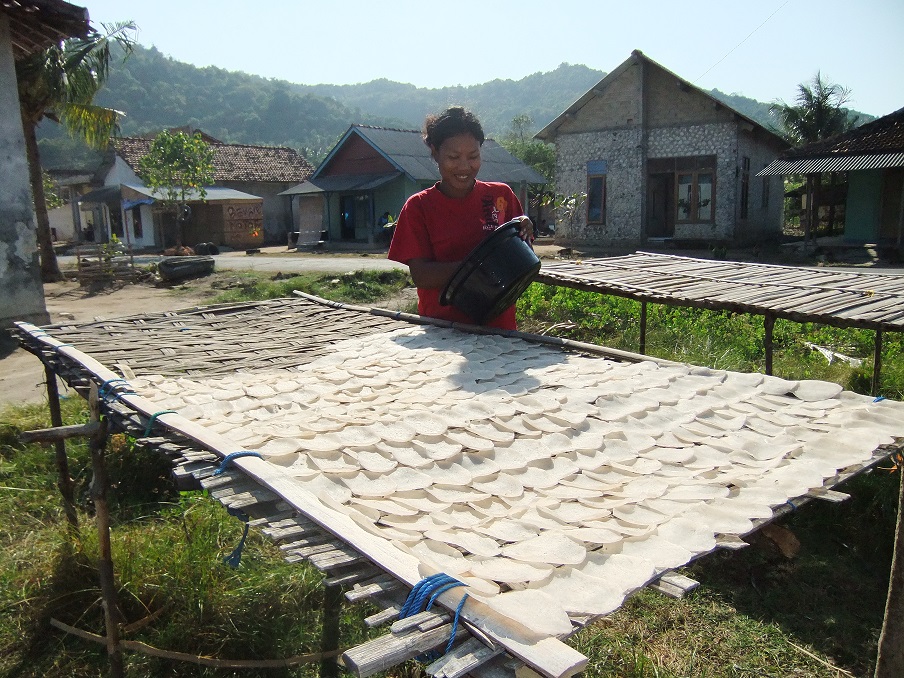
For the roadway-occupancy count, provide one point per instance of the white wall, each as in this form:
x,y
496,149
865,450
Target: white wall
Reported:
x,y
20,273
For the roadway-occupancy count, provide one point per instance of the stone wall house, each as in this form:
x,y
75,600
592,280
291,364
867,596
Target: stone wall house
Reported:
x,y
247,171
25,28
662,161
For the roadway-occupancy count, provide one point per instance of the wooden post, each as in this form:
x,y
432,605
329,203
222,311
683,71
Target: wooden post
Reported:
x,y
64,480
769,324
890,659
877,363
329,633
643,328
99,484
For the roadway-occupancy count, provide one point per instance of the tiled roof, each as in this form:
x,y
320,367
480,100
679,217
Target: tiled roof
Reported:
x,y
233,162
884,135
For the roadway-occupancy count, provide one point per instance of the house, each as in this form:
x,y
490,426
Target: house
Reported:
x,y
872,156
373,170
242,174
133,214
660,160
25,28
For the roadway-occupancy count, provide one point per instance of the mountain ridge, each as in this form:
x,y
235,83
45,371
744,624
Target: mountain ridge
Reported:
x,y
158,92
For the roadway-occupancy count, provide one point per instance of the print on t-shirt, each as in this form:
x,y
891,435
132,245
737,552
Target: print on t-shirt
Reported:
x,y
491,211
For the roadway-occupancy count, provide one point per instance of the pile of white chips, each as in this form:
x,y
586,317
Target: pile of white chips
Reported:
x,y
550,483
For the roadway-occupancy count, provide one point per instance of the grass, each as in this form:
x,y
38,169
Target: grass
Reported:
x,y
357,287
756,613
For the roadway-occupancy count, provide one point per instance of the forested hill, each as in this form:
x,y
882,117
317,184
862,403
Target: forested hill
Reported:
x,y
156,92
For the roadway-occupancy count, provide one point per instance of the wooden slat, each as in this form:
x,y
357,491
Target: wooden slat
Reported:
x,y
845,299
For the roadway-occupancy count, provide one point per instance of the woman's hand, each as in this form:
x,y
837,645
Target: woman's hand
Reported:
x,y
526,229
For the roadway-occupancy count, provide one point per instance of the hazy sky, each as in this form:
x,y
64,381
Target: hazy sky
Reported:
x,y
759,49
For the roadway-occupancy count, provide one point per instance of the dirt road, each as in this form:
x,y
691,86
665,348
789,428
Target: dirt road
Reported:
x,y
22,374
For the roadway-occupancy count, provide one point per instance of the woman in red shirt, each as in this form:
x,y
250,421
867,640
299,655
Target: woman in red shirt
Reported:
x,y
438,227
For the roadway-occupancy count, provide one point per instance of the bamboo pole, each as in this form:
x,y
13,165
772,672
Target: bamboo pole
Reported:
x,y
890,658
64,480
769,323
877,363
643,328
329,631
99,484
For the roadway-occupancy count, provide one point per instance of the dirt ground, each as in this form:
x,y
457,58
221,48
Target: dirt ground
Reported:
x,y
22,374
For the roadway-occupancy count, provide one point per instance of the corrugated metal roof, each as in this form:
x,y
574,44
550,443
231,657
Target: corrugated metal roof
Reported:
x,y
833,164
346,182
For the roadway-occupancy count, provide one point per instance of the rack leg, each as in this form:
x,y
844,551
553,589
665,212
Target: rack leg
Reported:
x,y
64,480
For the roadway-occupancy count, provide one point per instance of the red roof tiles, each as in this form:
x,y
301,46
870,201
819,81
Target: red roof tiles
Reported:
x,y
233,162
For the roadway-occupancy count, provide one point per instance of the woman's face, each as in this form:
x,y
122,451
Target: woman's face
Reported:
x,y
458,158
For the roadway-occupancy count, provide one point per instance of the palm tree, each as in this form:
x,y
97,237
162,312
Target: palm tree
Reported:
x,y
59,83
817,114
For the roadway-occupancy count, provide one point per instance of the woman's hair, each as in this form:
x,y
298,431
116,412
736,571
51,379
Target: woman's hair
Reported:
x,y
453,121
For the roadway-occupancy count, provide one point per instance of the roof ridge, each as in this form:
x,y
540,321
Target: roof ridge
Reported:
x,y
386,129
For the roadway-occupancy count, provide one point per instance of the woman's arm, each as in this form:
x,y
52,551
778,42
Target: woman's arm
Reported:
x,y
429,274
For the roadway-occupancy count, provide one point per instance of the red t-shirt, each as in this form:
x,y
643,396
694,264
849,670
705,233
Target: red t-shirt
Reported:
x,y
434,226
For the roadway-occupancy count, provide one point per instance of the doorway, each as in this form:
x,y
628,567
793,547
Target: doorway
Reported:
x,y
660,214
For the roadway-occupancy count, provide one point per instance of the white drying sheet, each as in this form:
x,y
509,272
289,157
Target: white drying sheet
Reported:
x,y
551,483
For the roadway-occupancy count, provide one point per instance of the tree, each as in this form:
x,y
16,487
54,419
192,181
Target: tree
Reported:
x,y
538,154
60,83
178,166
818,113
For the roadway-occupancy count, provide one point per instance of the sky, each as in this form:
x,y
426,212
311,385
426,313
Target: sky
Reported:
x,y
762,50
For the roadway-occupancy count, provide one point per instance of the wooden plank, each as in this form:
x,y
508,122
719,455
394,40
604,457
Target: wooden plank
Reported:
x,y
463,659
387,651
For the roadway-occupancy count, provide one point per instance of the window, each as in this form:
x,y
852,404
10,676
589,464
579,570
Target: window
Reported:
x,y
745,186
596,191
693,181
695,196
764,198
596,200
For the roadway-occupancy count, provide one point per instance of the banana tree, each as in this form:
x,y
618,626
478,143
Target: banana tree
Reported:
x,y
60,83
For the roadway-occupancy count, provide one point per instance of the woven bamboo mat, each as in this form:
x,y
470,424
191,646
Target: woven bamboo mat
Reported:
x,y
841,298
221,339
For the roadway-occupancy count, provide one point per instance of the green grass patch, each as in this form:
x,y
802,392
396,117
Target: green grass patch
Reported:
x,y
358,287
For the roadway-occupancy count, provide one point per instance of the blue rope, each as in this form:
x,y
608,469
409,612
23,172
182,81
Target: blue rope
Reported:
x,y
108,386
153,418
234,558
429,589
229,458
791,504
461,604
879,399
108,389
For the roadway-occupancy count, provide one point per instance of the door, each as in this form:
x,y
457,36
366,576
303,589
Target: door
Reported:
x,y
347,217
660,217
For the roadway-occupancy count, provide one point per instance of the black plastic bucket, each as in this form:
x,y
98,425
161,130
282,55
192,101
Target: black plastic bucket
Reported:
x,y
493,275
